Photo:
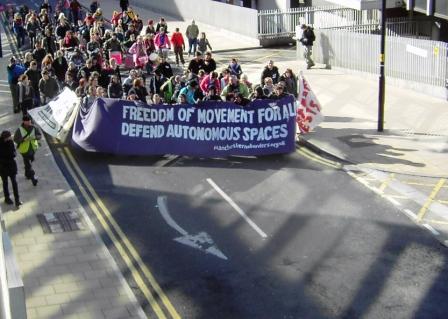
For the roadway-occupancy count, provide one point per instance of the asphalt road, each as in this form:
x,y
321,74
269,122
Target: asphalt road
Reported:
x,y
333,249
276,237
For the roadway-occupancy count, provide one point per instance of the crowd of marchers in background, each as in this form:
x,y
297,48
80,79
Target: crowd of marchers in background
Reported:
x,y
68,45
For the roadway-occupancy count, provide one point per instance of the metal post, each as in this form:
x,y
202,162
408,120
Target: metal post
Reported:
x,y
382,82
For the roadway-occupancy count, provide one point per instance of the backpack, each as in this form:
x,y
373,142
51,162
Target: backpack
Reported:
x,y
312,35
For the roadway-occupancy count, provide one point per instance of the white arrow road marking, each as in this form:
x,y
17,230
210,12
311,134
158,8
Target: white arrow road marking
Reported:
x,y
201,241
237,208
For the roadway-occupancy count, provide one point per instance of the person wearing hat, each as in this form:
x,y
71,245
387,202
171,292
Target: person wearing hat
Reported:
x,y
8,167
26,137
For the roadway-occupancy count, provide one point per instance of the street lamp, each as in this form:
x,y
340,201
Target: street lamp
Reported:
x,y
382,80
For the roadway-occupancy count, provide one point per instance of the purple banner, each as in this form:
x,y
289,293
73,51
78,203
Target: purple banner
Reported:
x,y
209,129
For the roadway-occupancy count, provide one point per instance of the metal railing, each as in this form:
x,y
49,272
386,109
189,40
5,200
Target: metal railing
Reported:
x,y
409,59
276,23
402,27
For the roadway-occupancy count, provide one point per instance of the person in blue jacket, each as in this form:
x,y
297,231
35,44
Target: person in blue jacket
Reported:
x,y
15,70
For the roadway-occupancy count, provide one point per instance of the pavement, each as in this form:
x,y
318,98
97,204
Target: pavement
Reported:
x,y
72,275
66,274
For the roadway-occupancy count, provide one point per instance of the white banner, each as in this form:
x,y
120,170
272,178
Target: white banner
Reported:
x,y
309,113
57,117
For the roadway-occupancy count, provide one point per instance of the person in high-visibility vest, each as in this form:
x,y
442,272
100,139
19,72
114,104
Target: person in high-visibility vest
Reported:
x,y
26,137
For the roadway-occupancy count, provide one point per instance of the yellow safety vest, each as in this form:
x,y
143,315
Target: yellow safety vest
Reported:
x,y
30,141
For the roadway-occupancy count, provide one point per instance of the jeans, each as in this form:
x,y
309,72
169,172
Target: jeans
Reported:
x,y
15,96
192,44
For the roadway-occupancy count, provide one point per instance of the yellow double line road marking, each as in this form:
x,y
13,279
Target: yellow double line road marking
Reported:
x,y
120,241
316,158
430,199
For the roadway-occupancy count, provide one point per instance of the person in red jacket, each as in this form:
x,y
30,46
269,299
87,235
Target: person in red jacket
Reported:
x,y
178,46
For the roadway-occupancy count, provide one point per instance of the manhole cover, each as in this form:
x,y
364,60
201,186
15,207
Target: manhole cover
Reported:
x,y
59,222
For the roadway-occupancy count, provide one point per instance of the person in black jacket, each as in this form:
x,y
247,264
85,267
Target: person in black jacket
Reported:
x,y
270,71
139,90
124,4
115,90
34,76
8,167
164,68
196,64
307,40
26,94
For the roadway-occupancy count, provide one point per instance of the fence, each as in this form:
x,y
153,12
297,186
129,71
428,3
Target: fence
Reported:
x,y
402,27
276,23
408,59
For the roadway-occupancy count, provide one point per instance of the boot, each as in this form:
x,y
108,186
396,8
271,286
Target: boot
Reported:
x,y
18,203
8,201
34,181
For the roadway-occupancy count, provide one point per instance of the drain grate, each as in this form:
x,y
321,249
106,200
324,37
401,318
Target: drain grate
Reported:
x,y
60,222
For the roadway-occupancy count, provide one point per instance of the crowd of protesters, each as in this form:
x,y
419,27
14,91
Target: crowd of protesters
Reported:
x,y
71,46
124,58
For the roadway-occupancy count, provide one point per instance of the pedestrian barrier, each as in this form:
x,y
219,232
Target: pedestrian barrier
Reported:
x,y
12,292
422,64
277,23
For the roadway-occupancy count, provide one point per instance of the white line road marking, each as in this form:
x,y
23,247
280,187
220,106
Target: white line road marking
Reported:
x,y
431,229
416,196
393,200
410,214
1,91
166,215
237,208
201,241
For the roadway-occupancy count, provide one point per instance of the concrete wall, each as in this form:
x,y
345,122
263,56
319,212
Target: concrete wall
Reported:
x,y
230,17
273,4
5,311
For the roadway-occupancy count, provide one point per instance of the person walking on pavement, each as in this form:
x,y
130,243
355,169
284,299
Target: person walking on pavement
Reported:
x,y
8,168
26,94
48,87
307,40
26,137
203,43
178,46
15,70
192,34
